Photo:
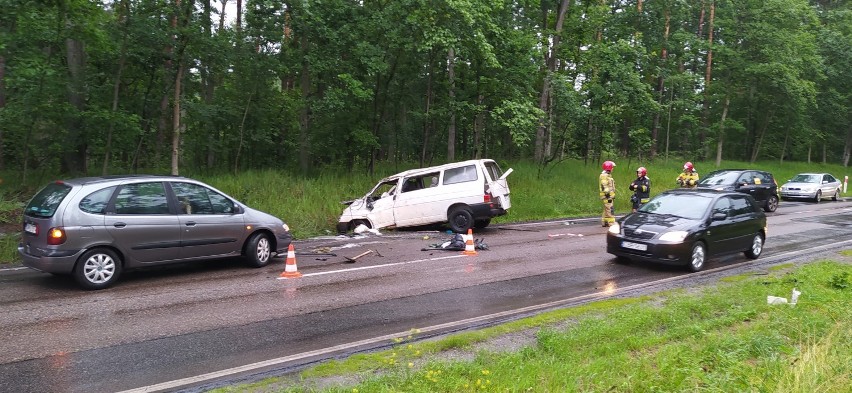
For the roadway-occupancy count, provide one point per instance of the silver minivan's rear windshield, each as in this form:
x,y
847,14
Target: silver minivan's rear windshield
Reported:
x,y
44,203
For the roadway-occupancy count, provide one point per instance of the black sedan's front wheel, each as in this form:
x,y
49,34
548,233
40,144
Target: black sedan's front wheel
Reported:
x,y
698,256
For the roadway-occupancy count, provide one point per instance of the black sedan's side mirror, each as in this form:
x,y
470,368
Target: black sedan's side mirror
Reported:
x,y
719,216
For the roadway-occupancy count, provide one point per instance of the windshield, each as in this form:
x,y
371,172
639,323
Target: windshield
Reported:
x,y
720,178
806,179
690,206
44,203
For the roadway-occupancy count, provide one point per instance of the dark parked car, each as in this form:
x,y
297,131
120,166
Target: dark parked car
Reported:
x,y
685,226
815,186
94,228
761,185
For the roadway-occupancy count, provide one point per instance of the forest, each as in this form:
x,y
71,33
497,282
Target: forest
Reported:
x,y
126,86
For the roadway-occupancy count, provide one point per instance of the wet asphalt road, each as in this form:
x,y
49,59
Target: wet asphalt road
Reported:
x,y
179,322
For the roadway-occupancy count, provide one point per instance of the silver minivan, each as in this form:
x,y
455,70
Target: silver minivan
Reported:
x,y
465,195
93,228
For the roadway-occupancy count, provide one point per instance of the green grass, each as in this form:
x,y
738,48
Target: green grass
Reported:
x,y
722,338
311,206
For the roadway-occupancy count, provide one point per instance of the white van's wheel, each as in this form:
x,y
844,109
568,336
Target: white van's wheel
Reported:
x,y
460,219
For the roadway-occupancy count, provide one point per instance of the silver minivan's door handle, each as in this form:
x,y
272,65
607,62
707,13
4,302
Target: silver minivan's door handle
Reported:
x,y
190,223
119,224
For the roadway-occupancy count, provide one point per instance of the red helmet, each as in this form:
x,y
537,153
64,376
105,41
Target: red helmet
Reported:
x,y
642,171
608,165
688,166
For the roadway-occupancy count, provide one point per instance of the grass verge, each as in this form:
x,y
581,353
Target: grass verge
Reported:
x,y
722,338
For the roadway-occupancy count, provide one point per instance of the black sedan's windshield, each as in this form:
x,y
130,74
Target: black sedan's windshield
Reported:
x,y
690,206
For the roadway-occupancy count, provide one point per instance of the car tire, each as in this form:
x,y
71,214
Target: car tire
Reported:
x,y
818,196
460,219
343,227
836,196
479,224
771,204
697,257
756,247
258,250
97,268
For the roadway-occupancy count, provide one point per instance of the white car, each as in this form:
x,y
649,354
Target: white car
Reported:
x,y
464,194
814,186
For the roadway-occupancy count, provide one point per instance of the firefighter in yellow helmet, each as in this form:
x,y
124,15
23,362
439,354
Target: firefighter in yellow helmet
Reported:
x,y
641,188
689,177
607,193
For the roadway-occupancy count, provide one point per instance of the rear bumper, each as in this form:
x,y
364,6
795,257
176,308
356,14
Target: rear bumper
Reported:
x,y
483,211
49,261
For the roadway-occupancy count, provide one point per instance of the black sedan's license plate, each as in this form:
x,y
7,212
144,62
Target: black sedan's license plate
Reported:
x,y
634,246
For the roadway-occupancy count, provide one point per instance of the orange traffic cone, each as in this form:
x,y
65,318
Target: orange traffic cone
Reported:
x,y
469,248
291,271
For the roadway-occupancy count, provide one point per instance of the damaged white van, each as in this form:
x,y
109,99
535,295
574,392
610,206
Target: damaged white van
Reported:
x,y
464,194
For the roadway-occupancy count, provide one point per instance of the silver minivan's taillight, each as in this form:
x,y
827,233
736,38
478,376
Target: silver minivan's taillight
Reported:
x,y
56,236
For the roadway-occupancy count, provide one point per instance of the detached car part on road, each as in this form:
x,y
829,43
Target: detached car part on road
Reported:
x,y
464,194
685,226
94,228
813,186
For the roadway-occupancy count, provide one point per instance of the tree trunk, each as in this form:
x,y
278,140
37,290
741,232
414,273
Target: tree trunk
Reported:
x,y
222,15
847,149
451,129
705,117
176,119
123,14
74,155
304,112
661,83
478,122
242,136
426,120
550,60
758,140
721,138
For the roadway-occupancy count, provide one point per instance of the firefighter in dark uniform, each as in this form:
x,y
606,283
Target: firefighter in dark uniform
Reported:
x,y
607,193
689,177
641,188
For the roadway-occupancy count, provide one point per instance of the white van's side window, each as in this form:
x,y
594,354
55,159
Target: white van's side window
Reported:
x,y
460,175
420,182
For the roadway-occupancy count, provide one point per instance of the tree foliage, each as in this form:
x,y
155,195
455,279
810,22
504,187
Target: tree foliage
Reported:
x,y
90,87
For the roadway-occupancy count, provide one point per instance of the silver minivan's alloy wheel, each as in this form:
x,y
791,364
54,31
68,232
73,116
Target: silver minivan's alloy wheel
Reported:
x,y
262,249
258,250
97,269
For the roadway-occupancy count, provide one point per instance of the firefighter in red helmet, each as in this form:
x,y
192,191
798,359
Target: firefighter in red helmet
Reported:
x,y
607,193
689,177
641,188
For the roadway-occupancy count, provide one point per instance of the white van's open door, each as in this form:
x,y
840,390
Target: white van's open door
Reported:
x,y
499,188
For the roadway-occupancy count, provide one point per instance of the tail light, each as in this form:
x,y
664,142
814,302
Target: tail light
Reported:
x,y
56,236
487,197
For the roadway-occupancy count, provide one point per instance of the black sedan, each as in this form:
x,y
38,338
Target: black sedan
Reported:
x,y
685,226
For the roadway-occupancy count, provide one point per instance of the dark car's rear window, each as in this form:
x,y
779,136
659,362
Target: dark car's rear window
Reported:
x,y
44,203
